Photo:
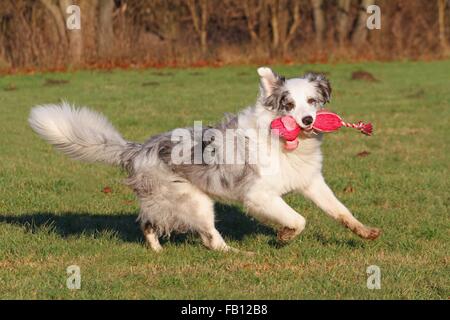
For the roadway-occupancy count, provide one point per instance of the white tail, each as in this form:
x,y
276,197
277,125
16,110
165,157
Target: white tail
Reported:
x,y
79,133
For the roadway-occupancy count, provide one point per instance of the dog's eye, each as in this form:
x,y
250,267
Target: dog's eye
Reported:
x,y
289,106
312,101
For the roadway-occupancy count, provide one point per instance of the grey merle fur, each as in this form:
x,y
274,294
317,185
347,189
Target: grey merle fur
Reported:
x,y
164,177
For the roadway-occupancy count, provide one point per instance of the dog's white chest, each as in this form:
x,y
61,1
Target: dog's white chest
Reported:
x,y
289,171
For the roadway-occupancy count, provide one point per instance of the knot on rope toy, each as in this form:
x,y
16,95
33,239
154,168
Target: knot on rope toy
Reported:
x,y
365,128
326,121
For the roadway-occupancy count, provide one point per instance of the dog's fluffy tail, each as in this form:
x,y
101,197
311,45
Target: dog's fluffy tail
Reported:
x,y
80,133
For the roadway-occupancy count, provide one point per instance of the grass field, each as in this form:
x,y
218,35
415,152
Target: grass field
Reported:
x,y
53,212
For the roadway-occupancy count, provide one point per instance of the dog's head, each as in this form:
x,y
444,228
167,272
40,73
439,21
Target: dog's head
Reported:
x,y
297,97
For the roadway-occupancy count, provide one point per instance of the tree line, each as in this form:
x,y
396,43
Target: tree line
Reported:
x,y
33,33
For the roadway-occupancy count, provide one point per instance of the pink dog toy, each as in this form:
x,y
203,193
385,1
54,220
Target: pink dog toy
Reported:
x,y
326,121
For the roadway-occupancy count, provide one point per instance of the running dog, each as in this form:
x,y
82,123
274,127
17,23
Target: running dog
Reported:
x,y
179,195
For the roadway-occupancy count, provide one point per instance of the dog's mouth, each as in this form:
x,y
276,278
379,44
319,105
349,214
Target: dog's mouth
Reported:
x,y
306,128
308,132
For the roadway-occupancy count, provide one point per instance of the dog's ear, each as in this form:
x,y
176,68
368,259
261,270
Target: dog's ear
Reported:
x,y
322,84
269,81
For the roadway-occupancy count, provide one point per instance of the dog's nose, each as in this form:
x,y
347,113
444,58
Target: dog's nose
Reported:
x,y
307,120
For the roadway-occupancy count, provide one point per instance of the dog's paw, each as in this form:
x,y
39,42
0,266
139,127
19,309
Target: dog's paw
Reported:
x,y
371,233
286,234
154,247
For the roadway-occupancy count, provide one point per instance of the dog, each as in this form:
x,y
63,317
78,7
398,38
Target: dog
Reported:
x,y
179,196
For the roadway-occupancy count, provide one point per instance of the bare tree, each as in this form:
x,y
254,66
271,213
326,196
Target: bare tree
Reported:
x,y
319,20
441,13
163,21
274,12
58,18
75,36
252,11
89,29
105,35
264,23
258,19
199,10
33,33
342,20
293,27
58,11
285,21
76,39
360,32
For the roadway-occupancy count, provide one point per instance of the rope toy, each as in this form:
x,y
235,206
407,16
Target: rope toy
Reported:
x,y
326,121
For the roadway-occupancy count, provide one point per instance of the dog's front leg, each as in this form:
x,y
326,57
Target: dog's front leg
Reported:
x,y
319,192
273,210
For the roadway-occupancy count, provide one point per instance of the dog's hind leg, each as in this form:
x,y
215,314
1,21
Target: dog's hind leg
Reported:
x,y
151,237
324,198
202,220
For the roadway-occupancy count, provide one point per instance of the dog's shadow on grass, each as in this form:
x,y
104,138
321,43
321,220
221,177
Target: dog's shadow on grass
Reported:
x,y
231,222
67,224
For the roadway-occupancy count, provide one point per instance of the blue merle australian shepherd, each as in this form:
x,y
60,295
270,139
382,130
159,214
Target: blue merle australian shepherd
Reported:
x,y
179,195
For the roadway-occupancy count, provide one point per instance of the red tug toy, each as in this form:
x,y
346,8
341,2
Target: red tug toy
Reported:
x,y
326,121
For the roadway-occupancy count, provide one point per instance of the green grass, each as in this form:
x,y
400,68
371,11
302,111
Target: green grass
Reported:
x,y
53,212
